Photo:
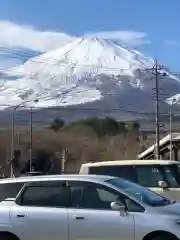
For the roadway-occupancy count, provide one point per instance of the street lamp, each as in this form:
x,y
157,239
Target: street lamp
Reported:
x,y
12,137
14,108
30,137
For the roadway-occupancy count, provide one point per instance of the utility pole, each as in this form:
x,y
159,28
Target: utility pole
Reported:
x,y
30,142
14,108
156,71
174,100
12,139
170,132
31,135
12,144
157,110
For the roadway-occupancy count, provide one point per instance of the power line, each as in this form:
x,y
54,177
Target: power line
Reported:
x,y
155,70
120,109
53,61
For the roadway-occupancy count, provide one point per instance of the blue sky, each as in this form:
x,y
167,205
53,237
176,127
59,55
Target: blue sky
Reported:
x,y
151,26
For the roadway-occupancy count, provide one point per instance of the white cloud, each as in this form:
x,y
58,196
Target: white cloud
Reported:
x,y
16,36
131,38
22,36
172,43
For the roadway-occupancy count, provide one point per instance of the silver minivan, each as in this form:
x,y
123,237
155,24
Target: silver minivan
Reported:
x,y
88,207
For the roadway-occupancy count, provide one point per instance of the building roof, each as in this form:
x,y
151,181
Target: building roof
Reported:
x,y
162,142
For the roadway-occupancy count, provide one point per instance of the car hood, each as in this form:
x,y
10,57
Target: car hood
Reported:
x,y
172,209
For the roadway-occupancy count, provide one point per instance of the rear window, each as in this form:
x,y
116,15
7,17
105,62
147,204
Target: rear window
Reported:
x,y
126,172
9,190
149,175
157,173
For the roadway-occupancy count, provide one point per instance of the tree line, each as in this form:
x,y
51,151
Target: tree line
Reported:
x,y
104,126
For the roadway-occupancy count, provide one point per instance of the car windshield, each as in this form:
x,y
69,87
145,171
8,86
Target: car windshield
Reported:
x,y
140,193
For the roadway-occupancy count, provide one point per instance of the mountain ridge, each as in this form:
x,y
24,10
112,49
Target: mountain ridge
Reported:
x,y
84,71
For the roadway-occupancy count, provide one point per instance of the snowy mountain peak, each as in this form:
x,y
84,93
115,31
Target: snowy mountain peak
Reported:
x,y
98,53
82,71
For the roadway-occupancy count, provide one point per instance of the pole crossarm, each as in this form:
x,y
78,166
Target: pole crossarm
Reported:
x,y
156,70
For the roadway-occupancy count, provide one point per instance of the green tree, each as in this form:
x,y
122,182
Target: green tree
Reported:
x,y
132,126
122,127
110,126
57,124
106,126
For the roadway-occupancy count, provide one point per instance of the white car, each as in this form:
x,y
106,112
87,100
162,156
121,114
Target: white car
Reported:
x,y
86,207
161,176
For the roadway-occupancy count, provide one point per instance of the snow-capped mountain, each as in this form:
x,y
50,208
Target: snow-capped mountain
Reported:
x,y
85,71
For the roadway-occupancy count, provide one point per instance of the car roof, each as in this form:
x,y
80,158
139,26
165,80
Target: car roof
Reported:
x,y
131,162
66,177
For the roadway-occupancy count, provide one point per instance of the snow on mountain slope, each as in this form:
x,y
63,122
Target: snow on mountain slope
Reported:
x,y
86,55
85,70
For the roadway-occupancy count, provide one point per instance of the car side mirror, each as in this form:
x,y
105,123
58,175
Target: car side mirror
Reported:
x,y
119,206
162,184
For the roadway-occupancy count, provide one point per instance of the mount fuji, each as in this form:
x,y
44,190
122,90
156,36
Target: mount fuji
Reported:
x,y
89,73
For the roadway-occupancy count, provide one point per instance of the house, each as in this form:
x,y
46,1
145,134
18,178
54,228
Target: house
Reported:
x,y
164,146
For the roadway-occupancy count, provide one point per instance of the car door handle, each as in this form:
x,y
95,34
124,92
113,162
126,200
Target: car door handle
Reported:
x,y
78,217
20,215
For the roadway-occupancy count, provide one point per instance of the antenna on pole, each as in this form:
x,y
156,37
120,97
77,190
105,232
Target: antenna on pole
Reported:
x,y
156,71
157,109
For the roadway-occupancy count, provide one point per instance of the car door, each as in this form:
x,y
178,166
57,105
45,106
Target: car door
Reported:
x,y
41,213
91,217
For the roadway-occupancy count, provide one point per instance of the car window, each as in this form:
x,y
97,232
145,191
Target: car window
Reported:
x,y
10,190
148,176
170,176
95,196
177,166
46,196
105,195
126,172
